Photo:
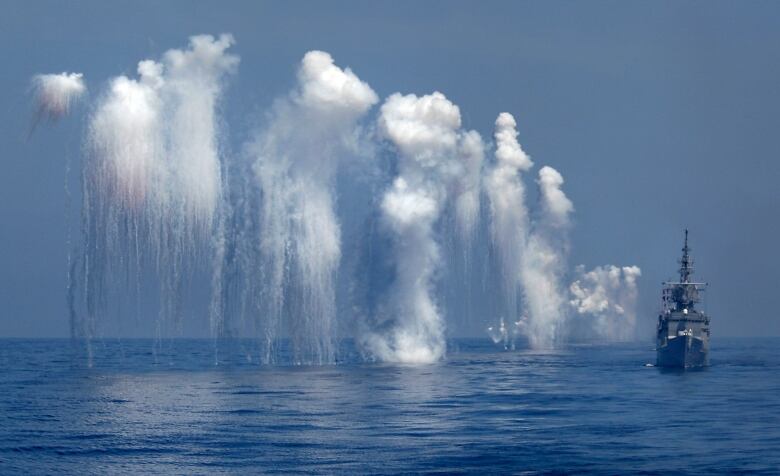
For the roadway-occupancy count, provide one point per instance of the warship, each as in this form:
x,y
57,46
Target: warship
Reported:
x,y
683,339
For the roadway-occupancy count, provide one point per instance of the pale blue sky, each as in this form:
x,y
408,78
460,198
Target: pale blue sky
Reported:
x,y
660,115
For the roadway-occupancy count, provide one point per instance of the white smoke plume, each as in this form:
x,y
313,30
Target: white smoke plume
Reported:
x,y
192,86
509,216
156,199
296,157
531,257
544,263
55,93
152,178
607,296
556,206
426,133
154,139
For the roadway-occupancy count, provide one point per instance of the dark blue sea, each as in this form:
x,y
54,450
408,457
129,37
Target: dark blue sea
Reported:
x,y
586,409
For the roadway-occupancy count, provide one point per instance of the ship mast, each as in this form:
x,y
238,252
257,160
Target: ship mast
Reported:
x,y
685,293
686,263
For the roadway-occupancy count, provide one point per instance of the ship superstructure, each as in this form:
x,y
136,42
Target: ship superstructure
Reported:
x,y
683,338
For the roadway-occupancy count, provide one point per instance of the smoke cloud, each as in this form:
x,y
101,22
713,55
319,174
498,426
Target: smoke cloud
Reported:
x,y
531,256
154,139
160,197
607,296
55,93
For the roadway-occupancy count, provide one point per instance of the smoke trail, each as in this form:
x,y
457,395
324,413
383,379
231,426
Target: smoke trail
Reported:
x,y
544,263
509,216
55,93
296,158
152,179
607,294
432,152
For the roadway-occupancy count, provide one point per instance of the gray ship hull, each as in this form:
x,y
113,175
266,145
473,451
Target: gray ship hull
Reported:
x,y
684,352
683,337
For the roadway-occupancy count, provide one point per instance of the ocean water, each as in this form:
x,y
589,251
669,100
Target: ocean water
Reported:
x,y
588,409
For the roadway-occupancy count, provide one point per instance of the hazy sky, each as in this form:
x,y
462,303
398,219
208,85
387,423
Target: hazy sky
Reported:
x,y
660,115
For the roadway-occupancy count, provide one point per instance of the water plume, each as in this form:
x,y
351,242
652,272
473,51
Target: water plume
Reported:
x,y
296,157
507,335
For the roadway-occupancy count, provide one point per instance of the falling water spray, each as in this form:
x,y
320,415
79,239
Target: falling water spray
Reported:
x,y
151,178
296,157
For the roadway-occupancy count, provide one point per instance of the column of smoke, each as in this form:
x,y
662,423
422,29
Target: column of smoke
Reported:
x,y
544,263
152,177
606,296
432,151
296,157
531,259
509,222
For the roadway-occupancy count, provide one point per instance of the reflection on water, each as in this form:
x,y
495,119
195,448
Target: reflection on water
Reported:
x,y
583,409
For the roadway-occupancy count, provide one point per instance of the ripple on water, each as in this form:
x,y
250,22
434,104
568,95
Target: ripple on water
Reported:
x,y
592,409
